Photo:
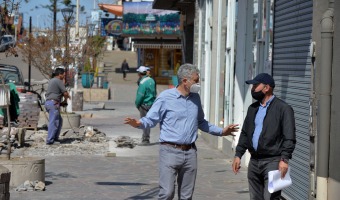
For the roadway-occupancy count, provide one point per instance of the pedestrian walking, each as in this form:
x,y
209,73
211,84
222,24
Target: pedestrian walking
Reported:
x,y
125,68
55,91
146,95
268,133
180,114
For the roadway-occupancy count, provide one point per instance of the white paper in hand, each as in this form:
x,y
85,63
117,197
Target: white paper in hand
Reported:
x,y
275,183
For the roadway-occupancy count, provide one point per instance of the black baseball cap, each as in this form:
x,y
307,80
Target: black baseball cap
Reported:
x,y
262,78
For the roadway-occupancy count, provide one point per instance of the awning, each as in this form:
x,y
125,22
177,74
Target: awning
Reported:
x,y
114,9
172,46
157,46
147,46
171,4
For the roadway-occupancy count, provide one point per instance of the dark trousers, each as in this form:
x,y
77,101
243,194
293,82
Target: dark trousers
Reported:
x,y
258,178
124,74
143,110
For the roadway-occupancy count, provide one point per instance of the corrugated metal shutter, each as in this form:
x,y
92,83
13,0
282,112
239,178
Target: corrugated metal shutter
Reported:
x,y
292,73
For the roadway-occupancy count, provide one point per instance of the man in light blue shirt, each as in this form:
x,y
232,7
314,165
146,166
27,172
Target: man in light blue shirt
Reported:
x,y
180,114
260,115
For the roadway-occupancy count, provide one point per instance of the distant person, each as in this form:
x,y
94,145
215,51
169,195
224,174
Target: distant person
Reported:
x,y
180,114
146,95
268,133
55,91
125,68
126,44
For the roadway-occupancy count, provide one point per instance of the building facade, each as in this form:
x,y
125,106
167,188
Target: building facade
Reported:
x,y
297,42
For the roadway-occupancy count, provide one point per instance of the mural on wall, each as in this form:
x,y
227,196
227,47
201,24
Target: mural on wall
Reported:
x,y
111,27
139,19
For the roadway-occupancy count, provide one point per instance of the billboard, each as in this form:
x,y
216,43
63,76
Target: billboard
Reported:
x,y
139,19
111,27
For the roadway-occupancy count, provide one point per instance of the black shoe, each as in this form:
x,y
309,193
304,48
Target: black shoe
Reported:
x,y
53,143
58,140
145,143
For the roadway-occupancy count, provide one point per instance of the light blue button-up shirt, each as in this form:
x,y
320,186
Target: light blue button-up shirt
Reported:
x,y
260,115
179,117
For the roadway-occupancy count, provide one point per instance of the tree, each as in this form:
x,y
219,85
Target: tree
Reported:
x,y
53,7
94,47
42,49
7,8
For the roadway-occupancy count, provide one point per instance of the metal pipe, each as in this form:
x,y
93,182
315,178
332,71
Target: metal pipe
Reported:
x,y
77,20
29,54
324,104
218,29
207,64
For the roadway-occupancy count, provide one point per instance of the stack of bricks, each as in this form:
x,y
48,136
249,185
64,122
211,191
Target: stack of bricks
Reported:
x,y
1,121
29,111
5,177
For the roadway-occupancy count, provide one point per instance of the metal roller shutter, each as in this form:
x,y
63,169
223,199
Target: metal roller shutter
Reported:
x,y
292,74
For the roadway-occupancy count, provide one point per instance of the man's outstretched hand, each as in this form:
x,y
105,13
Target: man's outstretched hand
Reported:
x,y
230,129
132,122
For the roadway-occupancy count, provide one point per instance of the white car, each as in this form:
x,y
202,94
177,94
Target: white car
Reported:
x,y
6,42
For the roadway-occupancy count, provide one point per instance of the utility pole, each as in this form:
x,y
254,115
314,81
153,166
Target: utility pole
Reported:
x,y
29,54
77,20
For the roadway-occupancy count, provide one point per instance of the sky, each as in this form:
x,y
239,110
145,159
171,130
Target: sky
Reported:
x,y
42,18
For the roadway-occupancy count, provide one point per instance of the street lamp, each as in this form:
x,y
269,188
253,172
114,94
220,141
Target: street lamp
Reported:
x,y
67,14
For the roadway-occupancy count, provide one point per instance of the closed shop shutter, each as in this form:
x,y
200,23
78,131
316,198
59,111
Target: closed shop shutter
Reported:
x,y
292,73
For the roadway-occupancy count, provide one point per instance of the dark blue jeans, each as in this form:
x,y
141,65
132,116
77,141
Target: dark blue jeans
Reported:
x,y
55,121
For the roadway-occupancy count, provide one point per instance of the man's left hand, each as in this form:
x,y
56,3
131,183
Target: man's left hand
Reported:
x,y
283,168
132,122
63,104
230,129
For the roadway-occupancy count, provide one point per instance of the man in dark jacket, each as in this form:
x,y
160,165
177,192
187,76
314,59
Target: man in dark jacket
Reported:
x,y
268,133
125,68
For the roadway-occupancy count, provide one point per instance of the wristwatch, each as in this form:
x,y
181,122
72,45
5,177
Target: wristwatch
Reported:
x,y
285,160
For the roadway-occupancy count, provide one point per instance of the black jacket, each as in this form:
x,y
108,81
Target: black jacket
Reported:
x,y
278,133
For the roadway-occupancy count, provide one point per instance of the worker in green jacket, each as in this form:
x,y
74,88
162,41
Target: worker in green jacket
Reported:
x,y
146,95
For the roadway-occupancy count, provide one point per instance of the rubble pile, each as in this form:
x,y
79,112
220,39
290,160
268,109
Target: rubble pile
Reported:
x,y
17,136
31,186
125,141
84,140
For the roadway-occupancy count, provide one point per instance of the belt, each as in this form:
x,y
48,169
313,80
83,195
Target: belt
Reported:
x,y
55,101
183,147
264,157
52,100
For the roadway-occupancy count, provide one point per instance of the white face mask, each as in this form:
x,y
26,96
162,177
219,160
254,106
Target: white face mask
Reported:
x,y
195,88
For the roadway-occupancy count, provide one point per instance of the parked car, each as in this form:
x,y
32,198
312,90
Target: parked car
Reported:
x,y
11,73
6,42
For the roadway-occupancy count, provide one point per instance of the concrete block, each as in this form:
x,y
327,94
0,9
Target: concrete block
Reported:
x,y
110,154
22,169
21,136
70,120
5,196
94,94
4,188
87,115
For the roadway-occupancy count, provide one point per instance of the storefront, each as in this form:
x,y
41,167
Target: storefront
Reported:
x,y
156,35
162,58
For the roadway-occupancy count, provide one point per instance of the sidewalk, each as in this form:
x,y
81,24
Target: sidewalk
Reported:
x,y
133,173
